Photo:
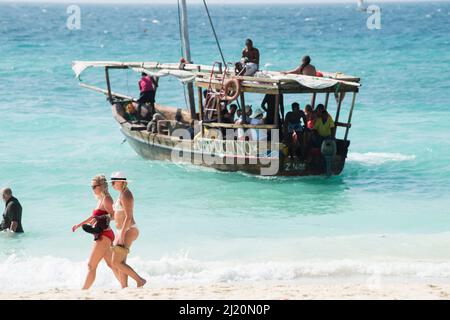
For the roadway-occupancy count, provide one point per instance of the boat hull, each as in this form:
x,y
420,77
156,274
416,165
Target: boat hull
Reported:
x,y
163,148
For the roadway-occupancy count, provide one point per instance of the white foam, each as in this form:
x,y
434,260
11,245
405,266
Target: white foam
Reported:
x,y
375,158
28,274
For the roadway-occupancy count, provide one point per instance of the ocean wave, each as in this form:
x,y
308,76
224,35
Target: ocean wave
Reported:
x,y
40,273
376,158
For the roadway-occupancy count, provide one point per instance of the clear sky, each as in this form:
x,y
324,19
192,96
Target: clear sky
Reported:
x,y
210,1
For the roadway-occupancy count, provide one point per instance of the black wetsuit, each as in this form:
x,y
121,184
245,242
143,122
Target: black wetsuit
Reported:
x,y
12,213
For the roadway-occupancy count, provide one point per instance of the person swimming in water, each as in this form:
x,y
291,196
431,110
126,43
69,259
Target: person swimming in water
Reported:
x,y
127,230
98,224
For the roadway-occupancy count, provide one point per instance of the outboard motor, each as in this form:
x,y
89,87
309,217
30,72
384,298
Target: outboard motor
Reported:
x,y
328,151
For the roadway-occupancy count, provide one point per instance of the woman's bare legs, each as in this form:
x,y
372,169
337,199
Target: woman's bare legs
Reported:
x,y
119,261
99,251
123,277
108,260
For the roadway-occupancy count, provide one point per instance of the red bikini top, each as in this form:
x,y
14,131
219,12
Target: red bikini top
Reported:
x,y
99,212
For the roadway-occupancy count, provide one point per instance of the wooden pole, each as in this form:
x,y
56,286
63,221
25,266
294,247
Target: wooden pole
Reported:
x,y
108,84
313,101
327,98
338,111
187,55
244,115
277,110
200,100
350,116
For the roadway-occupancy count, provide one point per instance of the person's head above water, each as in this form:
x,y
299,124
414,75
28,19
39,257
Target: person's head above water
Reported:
x,y
99,186
6,194
306,60
249,43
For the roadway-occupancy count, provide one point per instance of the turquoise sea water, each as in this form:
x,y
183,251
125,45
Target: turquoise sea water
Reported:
x,y
387,214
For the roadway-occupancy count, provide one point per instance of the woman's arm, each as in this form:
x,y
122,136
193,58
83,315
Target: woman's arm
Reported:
x,y
108,204
89,220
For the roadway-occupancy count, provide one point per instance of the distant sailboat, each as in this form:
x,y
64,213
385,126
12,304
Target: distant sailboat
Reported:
x,y
361,6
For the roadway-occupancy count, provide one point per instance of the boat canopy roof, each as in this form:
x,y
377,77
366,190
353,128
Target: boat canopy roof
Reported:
x,y
264,82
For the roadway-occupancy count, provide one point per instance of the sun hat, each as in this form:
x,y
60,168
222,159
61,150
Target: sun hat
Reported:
x,y
257,113
119,176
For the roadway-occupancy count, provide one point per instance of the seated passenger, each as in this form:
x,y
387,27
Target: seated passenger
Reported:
x,y
306,68
324,126
240,120
229,116
310,117
293,120
248,113
152,126
239,115
293,130
249,63
258,119
130,113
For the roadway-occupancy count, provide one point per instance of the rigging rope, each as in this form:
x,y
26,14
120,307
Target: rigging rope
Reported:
x,y
214,31
128,87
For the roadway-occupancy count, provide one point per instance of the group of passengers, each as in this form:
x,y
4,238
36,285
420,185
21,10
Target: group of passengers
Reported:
x,y
305,130
293,130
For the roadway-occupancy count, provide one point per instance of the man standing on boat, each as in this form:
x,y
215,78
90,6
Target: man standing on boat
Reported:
x,y
249,64
147,86
12,217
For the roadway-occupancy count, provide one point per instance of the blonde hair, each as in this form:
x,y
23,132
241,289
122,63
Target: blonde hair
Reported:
x,y
103,183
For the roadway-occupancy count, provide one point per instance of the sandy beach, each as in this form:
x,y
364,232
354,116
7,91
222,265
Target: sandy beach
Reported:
x,y
254,291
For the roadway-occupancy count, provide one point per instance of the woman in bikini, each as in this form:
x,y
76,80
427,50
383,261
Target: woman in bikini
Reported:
x,y
103,235
127,231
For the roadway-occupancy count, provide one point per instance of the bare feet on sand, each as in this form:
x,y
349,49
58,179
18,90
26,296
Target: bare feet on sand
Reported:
x,y
141,283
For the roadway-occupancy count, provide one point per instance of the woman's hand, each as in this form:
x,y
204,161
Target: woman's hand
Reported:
x,y
75,227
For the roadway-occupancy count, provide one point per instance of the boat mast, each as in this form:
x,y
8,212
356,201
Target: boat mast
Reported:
x,y
187,55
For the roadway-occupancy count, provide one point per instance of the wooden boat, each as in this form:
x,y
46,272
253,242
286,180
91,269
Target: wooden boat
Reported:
x,y
216,144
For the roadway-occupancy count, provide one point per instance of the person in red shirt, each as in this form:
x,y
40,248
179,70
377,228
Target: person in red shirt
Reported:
x,y
147,87
310,116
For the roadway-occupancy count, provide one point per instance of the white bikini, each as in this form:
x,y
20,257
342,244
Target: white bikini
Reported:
x,y
118,208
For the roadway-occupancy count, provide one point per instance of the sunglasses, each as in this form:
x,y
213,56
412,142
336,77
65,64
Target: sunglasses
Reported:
x,y
95,186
